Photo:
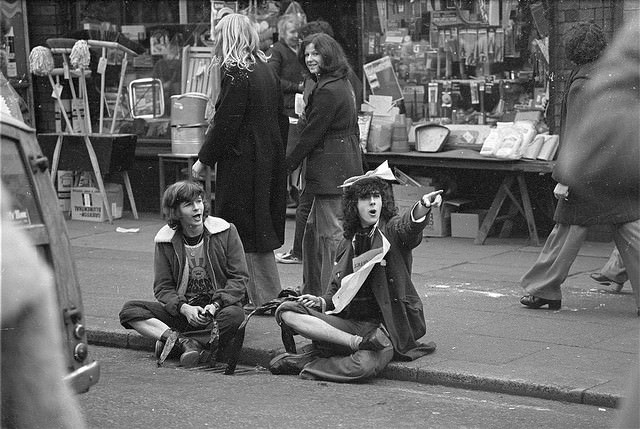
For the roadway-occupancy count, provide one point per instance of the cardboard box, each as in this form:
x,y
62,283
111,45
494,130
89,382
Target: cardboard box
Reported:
x,y
411,190
64,201
438,222
86,203
65,181
438,219
467,224
406,195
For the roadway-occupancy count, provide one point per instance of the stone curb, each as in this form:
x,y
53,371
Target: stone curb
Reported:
x,y
396,371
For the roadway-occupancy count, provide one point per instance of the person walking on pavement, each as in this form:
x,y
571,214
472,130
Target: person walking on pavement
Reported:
x,y
598,161
371,312
612,272
329,145
247,141
200,275
584,43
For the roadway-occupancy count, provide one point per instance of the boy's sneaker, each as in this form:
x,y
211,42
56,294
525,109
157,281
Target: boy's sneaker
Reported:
x,y
287,258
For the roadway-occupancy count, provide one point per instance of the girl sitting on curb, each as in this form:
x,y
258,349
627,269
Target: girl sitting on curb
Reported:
x,y
371,312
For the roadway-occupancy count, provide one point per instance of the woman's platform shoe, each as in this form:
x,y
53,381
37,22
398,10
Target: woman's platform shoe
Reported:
x,y
536,302
606,281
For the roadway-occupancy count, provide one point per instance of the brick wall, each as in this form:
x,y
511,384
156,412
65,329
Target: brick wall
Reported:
x,y
608,14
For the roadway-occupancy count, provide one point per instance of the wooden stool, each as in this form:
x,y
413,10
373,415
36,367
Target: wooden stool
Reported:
x,y
179,160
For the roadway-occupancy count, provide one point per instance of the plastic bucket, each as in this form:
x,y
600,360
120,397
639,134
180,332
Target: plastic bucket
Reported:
x,y
399,136
187,139
380,134
188,109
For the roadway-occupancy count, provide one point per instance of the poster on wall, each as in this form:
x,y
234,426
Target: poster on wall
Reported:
x,y
383,79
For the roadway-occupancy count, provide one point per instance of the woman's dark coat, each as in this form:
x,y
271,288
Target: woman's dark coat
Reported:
x,y
285,63
329,138
247,139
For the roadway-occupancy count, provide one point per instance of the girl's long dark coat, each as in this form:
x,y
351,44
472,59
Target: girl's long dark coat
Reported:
x,y
247,139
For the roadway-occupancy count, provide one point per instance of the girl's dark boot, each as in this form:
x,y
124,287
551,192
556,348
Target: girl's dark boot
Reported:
x,y
172,342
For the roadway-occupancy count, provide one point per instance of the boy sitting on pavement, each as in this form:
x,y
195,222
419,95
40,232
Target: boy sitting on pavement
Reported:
x,y
200,278
371,311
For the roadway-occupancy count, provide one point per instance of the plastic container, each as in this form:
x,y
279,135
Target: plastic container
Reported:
x,y
188,123
380,134
188,108
431,137
187,139
399,136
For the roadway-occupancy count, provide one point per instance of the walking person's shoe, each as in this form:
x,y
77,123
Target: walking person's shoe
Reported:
x,y
537,302
291,363
287,258
606,281
376,340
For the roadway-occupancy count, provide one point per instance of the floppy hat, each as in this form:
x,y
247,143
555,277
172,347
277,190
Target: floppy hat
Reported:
x,y
381,172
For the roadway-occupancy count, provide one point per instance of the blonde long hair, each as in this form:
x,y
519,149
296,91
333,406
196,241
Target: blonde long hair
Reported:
x,y
237,42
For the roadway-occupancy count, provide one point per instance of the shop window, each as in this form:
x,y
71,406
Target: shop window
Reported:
x,y
460,61
159,32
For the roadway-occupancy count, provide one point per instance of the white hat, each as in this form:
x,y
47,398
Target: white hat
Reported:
x,y
381,172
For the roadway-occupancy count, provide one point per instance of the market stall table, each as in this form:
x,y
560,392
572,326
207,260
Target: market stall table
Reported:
x,y
471,160
98,153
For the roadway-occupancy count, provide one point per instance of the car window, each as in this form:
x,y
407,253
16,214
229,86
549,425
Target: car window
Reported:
x,y
16,180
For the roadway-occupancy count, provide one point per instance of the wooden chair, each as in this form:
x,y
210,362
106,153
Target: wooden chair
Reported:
x,y
200,75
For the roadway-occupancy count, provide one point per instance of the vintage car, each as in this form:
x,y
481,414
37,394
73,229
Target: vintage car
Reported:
x,y
35,209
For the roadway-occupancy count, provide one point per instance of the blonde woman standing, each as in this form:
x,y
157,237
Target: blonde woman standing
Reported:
x,y
246,140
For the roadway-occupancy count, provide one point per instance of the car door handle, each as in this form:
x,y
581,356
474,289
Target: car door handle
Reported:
x,y
39,162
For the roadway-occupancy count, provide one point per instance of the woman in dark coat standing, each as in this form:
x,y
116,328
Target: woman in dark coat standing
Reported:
x,y
329,146
247,141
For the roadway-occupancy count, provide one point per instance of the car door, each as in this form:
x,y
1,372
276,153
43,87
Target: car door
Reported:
x,y
34,207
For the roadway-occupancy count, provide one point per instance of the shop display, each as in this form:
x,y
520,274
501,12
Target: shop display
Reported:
x,y
431,137
147,98
41,64
456,62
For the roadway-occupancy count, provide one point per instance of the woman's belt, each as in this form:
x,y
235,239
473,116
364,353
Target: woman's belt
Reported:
x,y
340,134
